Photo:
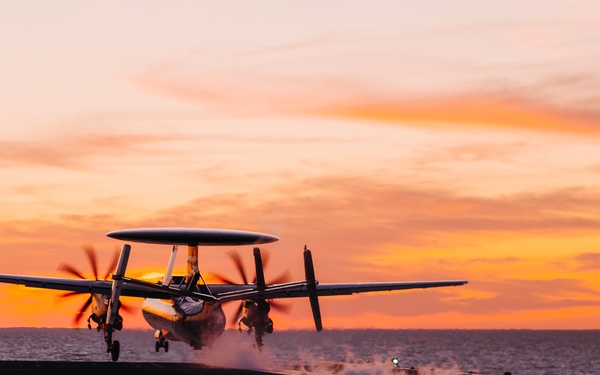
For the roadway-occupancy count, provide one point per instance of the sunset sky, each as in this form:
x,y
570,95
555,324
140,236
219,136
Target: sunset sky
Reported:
x,y
399,141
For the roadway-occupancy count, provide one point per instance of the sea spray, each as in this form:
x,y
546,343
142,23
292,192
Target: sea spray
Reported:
x,y
235,350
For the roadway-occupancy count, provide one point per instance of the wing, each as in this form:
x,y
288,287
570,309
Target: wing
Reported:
x,y
352,288
218,292
131,288
299,289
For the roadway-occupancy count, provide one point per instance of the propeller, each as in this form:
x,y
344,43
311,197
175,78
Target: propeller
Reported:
x,y
286,276
91,256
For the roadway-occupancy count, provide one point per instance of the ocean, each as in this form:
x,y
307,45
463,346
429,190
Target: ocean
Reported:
x,y
431,352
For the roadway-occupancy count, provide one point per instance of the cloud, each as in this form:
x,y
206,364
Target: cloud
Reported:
x,y
588,261
79,150
510,152
350,222
76,151
401,79
361,209
515,295
511,108
350,214
464,112
504,260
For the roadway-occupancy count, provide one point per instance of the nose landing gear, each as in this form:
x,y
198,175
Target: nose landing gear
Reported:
x,y
162,343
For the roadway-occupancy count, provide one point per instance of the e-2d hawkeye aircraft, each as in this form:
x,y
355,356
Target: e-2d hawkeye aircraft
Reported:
x,y
181,308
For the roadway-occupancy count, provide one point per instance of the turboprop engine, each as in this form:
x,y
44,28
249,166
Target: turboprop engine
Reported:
x,y
255,316
105,308
97,301
254,313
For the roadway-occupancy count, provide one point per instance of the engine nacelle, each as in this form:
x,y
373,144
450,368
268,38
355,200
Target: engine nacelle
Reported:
x,y
255,316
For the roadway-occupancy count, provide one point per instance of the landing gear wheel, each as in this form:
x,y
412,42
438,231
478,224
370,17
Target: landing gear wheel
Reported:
x,y
114,351
161,343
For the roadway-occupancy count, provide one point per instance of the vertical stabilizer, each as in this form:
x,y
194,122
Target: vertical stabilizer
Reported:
x,y
312,288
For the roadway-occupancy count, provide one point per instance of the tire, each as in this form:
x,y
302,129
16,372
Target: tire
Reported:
x,y
114,352
157,346
166,346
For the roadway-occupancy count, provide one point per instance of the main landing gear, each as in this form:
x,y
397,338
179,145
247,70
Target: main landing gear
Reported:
x,y
114,350
161,341
112,346
113,320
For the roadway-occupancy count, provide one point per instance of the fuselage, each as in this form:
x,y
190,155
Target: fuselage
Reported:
x,y
197,323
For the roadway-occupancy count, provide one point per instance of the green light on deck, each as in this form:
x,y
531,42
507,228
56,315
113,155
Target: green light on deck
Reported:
x,y
395,361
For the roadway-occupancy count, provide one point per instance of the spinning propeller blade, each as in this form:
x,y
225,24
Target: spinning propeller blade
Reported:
x,y
70,294
281,307
82,310
237,260
125,308
113,264
237,315
92,258
91,254
70,270
223,279
285,277
260,262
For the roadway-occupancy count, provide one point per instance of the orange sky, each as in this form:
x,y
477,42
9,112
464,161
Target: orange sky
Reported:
x,y
397,143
